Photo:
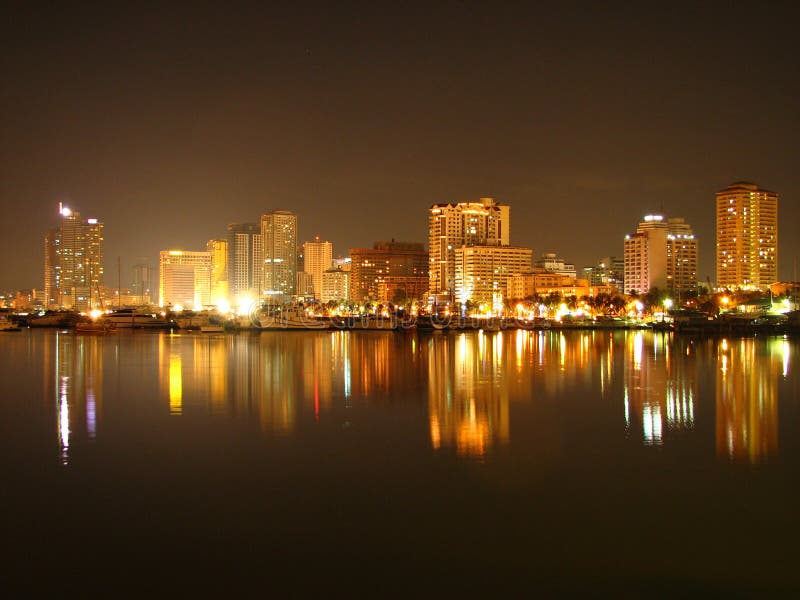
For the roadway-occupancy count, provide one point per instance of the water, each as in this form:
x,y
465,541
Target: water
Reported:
x,y
395,463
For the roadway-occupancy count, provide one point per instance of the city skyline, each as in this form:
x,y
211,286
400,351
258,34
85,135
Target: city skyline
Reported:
x,y
169,129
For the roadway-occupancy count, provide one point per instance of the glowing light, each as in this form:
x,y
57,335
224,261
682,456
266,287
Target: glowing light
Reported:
x,y
65,212
668,303
177,308
94,314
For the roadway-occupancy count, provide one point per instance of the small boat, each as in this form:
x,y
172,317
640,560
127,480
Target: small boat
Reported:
x,y
58,318
130,318
289,317
7,325
212,328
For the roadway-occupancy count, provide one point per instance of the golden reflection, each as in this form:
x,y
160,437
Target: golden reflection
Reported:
x,y
73,365
660,389
467,394
175,385
747,401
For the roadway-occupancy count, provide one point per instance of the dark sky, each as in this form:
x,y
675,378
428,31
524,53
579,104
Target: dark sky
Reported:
x,y
169,123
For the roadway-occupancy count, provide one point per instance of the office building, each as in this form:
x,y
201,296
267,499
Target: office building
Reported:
x,y
609,271
144,282
551,262
747,236
387,263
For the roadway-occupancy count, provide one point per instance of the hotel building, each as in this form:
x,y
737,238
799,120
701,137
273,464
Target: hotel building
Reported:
x,y
452,226
663,254
184,279
747,236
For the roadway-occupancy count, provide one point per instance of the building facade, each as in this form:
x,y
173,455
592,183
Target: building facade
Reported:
x,y
218,249
317,258
279,255
747,236
661,254
335,285
482,272
550,261
452,226
73,265
184,279
372,267
609,271
244,260
144,282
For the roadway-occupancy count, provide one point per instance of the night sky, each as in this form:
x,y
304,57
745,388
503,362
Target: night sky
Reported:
x,y
169,123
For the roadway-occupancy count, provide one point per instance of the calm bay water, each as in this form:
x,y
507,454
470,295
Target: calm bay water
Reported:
x,y
385,463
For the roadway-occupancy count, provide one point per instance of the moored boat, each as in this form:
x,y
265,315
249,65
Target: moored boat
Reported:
x,y
289,317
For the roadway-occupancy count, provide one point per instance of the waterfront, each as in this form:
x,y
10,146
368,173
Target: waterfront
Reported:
x,y
379,461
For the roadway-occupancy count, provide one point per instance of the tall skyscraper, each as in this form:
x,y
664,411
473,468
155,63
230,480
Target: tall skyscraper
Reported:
x,y
279,254
184,279
747,236
245,264
74,262
219,270
451,226
317,258
663,254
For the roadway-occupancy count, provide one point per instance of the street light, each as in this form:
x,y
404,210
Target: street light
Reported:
x,y
667,306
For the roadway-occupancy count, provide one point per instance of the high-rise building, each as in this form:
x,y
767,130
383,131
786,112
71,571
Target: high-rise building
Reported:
x,y
662,254
279,254
335,285
244,260
451,226
219,270
747,236
184,279
317,258
387,265
482,272
74,262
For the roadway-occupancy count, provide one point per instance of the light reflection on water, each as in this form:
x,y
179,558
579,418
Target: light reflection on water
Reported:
x,y
469,382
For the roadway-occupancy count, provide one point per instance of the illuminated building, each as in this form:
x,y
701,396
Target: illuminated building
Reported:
x,y
747,236
218,249
279,254
482,272
244,259
304,287
663,254
184,279
335,285
542,283
609,271
74,262
451,226
385,261
551,262
317,258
